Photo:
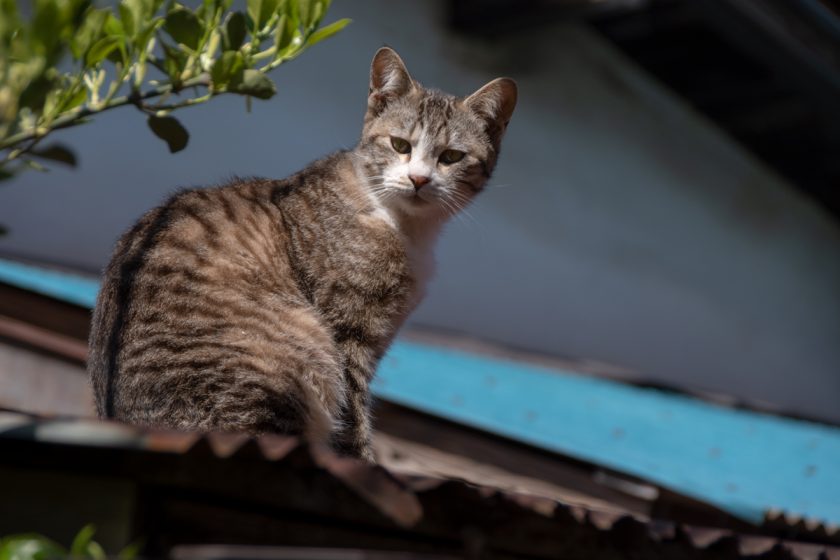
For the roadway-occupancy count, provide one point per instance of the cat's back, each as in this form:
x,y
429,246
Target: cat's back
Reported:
x,y
205,235
185,275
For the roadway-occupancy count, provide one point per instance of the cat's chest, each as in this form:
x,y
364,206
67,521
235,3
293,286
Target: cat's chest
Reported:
x,y
421,263
418,241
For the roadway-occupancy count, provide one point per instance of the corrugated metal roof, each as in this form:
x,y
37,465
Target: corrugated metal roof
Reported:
x,y
189,484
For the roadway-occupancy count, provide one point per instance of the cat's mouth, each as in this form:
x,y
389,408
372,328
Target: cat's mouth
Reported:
x,y
420,199
414,196
412,201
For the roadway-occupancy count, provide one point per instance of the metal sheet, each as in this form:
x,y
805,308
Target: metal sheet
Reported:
x,y
743,462
215,487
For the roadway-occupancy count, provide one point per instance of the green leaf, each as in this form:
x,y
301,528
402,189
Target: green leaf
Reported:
x,y
174,62
283,35
10,19
305,9
316,16
227,69
311,12
95,551
209,8
141,41
235,31
73,101
256,84
113,26
30,547
171,131
74,12
101,49
85,547
131,551
128,20
89,32
254,8
293,12
184,27
35,94
138,12
328,31
260,11
269,8
62,154
46,29
83,538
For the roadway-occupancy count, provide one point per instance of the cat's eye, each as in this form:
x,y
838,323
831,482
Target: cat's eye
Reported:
x,y
451,156
400,145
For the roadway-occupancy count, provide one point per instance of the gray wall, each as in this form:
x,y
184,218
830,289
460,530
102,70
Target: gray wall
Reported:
x,y
620,226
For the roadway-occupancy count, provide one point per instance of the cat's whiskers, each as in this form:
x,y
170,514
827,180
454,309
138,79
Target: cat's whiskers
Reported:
x,y
448,205
381,190
460,200
468,215
376,180
374,186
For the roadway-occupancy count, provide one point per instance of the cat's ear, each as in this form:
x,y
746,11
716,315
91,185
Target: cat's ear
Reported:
x,y
495,103
388,79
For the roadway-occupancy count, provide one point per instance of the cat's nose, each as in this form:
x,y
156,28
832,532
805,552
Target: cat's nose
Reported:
x,y
418,181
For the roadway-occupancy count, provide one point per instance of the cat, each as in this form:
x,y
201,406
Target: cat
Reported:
x,y
264,306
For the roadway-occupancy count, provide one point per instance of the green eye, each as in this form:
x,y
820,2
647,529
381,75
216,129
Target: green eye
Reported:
x,y
400,145
451,156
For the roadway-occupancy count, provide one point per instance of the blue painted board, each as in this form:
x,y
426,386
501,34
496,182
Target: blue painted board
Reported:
x,y
71,288
742,462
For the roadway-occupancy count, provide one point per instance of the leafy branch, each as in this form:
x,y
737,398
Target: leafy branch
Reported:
x,y
158,58
33,546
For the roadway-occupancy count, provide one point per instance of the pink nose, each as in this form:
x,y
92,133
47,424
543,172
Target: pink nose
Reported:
x,y
418,181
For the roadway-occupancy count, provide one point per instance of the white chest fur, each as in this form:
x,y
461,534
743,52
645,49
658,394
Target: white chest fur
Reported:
x,y
419,237
420,249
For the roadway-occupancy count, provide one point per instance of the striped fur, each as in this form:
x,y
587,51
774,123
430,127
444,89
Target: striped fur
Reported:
x,y
265,305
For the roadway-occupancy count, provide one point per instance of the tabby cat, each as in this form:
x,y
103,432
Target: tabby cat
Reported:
x,y
265,305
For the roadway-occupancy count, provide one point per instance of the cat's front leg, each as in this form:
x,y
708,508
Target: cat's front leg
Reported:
x,y
363,304
362,336
355,436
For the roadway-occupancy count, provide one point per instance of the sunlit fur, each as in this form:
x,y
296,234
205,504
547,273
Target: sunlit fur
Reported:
x,y
265,305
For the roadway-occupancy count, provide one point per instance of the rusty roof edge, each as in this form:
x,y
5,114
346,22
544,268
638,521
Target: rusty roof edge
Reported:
x,y
777,519
399,499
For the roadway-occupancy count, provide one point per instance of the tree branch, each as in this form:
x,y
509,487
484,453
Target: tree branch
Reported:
x,y
76,117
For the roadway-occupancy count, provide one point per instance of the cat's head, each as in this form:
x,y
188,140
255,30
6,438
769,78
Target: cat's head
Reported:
x,y
425,152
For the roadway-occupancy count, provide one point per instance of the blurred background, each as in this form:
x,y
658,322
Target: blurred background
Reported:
x,y
666,205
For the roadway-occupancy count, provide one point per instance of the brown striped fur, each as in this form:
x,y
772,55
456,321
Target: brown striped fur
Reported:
x,y
266,305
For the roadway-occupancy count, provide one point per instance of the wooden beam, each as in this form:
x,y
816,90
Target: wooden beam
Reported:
x,y
66,347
